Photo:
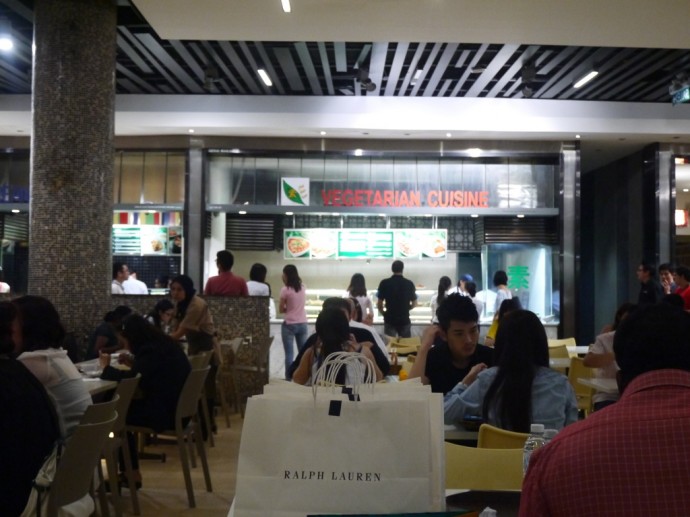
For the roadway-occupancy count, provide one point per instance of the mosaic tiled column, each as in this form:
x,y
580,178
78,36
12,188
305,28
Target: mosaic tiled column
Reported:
x,y
72,157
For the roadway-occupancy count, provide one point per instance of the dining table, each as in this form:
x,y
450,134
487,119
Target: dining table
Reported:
x,y
601,384
90,373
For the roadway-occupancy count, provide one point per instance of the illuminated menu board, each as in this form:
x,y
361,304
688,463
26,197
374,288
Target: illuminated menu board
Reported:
x,y
317,244
129,239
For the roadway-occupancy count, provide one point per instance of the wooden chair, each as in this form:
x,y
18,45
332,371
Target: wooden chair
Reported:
x,y
568,341
582,393
473,468
561,352
198,362
224,376
249,377
491,437
187,409
74,473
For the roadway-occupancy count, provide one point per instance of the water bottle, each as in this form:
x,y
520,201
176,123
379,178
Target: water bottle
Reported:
x,y
534,441
549,434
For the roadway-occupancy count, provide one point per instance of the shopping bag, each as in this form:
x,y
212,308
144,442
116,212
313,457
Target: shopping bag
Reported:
x,y
332,453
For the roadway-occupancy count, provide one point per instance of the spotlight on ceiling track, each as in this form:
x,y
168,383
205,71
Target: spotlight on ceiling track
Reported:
x,y
365,80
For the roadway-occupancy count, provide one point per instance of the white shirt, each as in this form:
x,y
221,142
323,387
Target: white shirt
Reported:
x,y
116,288
134,286
260,289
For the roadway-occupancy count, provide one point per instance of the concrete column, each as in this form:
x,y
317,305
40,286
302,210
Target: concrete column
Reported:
x,y
73,104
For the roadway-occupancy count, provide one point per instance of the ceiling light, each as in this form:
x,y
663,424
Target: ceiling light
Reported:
x,y
6,42
577,136
243,212
521,216
286,5
289,213
264,77
474,152
585,79
416,76
474,216
15,211
359,152
686,190
235,151
323,133
448,135
191,131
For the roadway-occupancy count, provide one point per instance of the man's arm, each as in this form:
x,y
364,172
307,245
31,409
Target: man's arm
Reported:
x,y
419,365
379,306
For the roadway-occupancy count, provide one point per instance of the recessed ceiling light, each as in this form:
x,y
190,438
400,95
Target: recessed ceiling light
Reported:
x,y
191,131
288,213
264,77
448,135
286,5
323,133
243,212
235,151
428,215
15,211
577,136
474,152
521,216
359,152
686,190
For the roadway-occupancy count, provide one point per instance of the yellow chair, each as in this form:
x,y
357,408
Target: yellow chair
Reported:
x,y
582,393
406,345
560,352
491,437
568,341
473,468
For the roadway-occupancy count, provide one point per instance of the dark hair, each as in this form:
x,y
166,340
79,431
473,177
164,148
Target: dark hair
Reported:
x,y
507,306
358,286
139,332
397,266
444,284
500,278
623,311
666,266
456,307
40,322
654,337
292,278
187,285
121,311
521,348
336,302
162,306
225,260
357,307
117,267
257,273
648,268
163,280
333,329
7,314
684,272
471,289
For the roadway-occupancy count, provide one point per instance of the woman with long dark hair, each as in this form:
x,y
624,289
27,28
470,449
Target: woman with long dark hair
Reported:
x,y
502,291
333,331
444,284
521,389
292,305
358,290
162,314
164,369
257,286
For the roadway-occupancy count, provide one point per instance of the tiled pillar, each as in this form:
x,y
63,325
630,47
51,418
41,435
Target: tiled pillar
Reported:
x,y
73,107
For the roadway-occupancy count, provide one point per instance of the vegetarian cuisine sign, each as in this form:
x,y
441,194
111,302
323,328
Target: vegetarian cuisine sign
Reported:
x,y
322,243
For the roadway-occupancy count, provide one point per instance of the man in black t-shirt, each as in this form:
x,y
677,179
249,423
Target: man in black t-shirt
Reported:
x,y
449,350
399,296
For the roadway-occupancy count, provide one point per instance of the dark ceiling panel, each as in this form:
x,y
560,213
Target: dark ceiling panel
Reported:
x,y
308,67
396,68
278,81
440,69
240,68
289,68
326,67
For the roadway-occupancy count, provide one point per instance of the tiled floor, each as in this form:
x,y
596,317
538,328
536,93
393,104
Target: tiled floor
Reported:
x,y
163,493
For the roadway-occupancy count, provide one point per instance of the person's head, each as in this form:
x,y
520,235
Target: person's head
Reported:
x,y
163,311
500,278
258,272
224,260
37,324
120,272
462,283
508,306
291,277
138,332
521,348
161,282
182,288
682,276
666,271
397,267
116,316
444,284
622,313
355,309
8,313
333,329
645,271
358,286
471,289
458,322
342,304
654,337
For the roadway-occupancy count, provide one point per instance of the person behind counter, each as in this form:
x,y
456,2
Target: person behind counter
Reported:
x,y
449,350
521,389
164,369
444,284
193,320
292,304
502,291
38,334
333,331
257,286
358,290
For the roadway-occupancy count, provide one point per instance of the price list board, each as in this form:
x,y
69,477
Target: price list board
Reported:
x,y
126,239
365,244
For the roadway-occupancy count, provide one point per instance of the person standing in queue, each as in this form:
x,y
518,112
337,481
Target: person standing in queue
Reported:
x,y
193,320
358,290
396,297
292,305
226,283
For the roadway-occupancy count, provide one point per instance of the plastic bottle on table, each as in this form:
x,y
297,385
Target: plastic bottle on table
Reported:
x,y
549,435
534,441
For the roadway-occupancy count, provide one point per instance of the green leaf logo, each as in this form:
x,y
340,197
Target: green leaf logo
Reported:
x,y
292,193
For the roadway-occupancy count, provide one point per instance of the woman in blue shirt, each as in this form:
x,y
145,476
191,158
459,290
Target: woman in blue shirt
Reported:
x,y
521,389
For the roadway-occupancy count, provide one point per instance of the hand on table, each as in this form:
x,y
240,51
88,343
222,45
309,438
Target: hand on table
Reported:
x,y
103,360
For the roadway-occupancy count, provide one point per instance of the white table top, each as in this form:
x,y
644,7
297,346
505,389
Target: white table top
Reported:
x,y
457,432
577,350
559,362
599,384
95,385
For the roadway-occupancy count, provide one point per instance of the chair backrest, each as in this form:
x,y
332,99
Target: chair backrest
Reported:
x,y
491,437
125,391
582,392
256,350
187,404
567,342
473,468
201,360
99,412
561,352
72,479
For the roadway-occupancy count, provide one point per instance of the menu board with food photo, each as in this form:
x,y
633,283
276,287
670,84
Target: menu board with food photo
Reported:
x,y
365,244
126,239
435,244
154,240
425,243
174,240
296,244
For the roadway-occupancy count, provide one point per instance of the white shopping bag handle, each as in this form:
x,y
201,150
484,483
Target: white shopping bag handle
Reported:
x,y
362,369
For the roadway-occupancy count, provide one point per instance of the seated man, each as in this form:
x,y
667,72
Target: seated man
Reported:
x,y
629,458
449,350
361,336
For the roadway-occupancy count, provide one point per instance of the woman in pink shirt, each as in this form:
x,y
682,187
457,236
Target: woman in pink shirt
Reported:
x,y
292,302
